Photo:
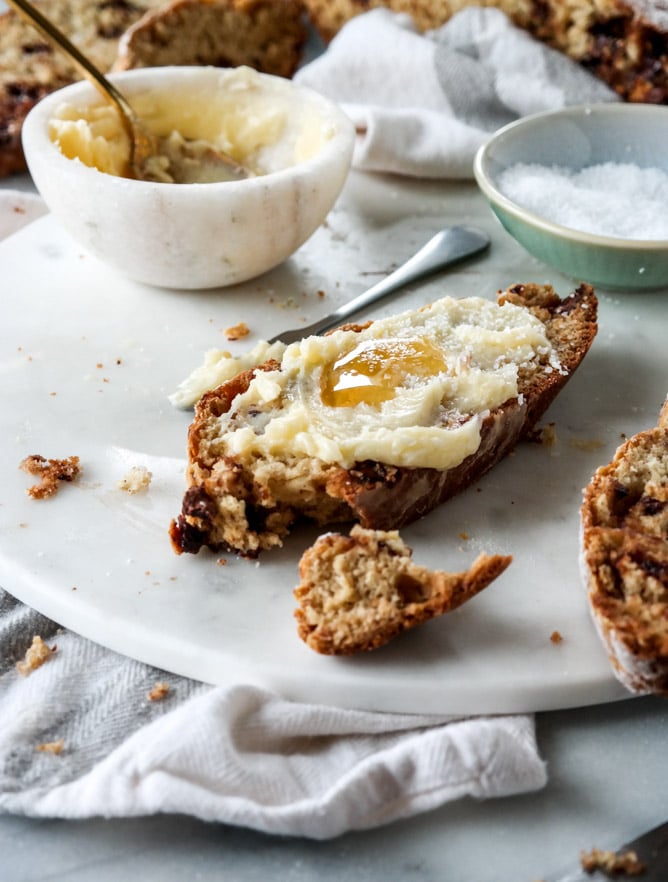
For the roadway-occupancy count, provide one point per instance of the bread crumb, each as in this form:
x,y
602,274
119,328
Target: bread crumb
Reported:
x,y
586,444
37,653
55,747
612,862
137,480
236,332
51,472
556,637
158,692
222,562
546,435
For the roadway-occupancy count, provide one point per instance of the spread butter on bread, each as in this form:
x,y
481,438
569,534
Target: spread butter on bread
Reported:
x,y
377,423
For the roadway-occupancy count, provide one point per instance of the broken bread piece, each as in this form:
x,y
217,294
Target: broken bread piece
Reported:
x,y
625,558
357,592
30,67
377,423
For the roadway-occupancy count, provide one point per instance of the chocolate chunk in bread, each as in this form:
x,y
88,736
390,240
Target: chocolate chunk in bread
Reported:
x,y
358,592
625,558
409,429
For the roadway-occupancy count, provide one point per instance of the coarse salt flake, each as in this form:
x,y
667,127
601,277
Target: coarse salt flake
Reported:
x,y
621,200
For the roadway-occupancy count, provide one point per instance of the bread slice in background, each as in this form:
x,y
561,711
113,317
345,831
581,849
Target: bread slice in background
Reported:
x,y
623,42
625,558
267,35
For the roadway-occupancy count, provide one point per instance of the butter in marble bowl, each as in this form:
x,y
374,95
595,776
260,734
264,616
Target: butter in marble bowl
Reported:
x,y
296,143
585,190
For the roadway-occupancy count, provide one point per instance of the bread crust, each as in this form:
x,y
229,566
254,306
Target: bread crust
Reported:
x,y
267,35
624,558
234,508
358,592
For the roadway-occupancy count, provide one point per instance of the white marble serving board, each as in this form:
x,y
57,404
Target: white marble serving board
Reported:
x,y
87,361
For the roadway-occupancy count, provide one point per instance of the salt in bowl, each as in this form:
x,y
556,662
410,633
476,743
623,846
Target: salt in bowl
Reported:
x,y
203,235
615,233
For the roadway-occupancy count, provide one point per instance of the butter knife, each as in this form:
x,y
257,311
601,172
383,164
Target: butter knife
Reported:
x,y
652,851
447,247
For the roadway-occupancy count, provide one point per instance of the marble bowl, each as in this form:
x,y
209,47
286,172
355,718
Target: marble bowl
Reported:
x,y
576,138
204,235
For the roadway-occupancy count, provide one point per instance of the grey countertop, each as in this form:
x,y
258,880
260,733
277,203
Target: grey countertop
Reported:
x,y
608,781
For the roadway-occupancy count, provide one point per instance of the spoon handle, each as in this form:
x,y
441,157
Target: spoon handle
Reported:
x,y
31,14
445,248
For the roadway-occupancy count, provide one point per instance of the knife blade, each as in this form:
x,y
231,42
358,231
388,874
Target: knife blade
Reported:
x,y
652,851
449,246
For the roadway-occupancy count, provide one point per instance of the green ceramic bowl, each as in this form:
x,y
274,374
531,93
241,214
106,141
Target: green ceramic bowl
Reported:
x,y
575,138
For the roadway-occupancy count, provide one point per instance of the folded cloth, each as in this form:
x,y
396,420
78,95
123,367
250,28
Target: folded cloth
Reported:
x,y
92,733
81,738
422,104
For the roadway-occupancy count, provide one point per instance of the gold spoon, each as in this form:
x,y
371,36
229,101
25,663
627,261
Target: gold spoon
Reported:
x,y
143,144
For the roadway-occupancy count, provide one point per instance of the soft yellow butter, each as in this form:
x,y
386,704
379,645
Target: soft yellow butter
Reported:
x,y
92,135
429,420
257,125
218,366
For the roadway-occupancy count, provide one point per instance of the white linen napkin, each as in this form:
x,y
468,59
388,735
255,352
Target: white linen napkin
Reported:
x,y
422,104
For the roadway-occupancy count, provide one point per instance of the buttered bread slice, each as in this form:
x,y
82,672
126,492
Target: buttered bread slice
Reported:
x,y
377,423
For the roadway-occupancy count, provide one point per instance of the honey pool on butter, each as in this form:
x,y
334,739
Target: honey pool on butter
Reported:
x,y
411,390
373,370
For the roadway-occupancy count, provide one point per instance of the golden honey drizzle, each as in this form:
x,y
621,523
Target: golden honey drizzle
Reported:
x,y
372,371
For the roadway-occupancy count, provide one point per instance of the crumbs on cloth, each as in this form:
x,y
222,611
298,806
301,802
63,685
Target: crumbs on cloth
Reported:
x,y
36,654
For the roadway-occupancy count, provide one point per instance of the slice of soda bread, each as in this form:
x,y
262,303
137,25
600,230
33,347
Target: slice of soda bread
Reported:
x,y
377,423
267,35
625,558
622,42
